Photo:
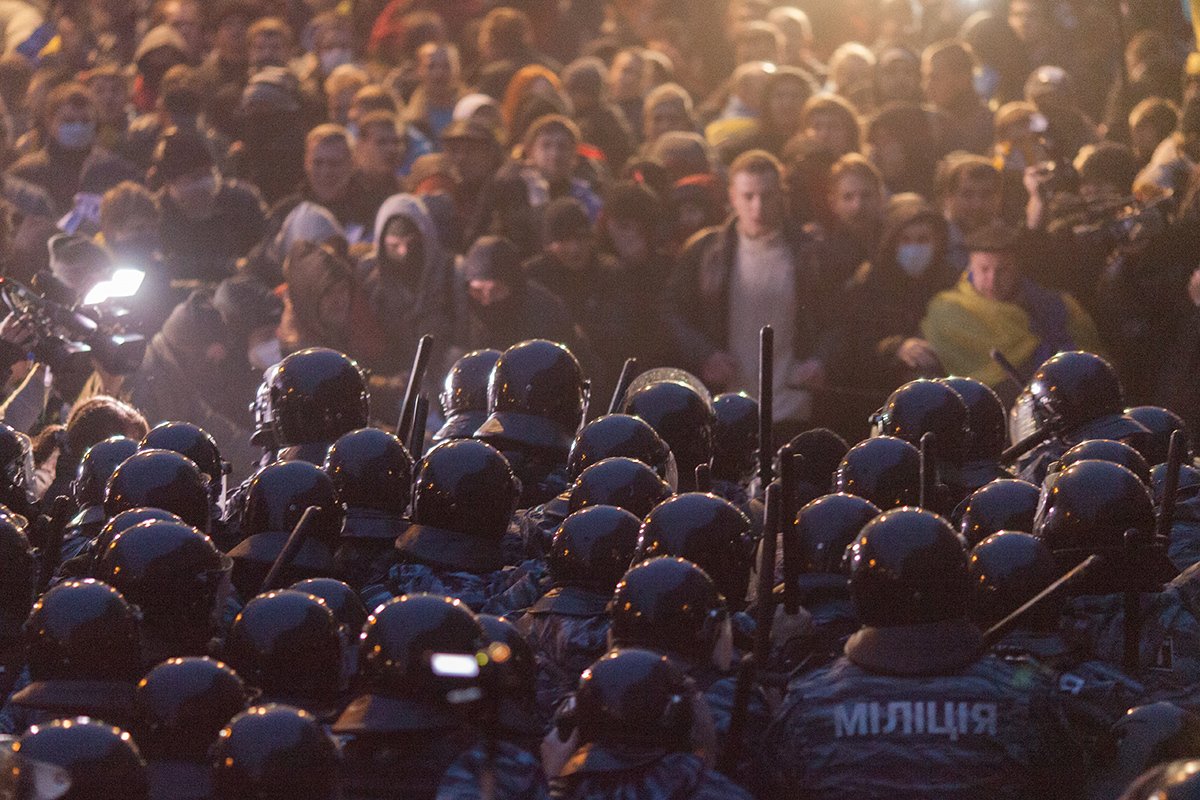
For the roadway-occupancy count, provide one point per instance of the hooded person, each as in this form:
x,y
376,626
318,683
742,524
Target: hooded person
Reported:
x,y
307,222
497,306
407,279
324,304
187,375
887,297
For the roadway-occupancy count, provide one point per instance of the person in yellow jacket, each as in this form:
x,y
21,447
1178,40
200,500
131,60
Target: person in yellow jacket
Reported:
x,y
994,306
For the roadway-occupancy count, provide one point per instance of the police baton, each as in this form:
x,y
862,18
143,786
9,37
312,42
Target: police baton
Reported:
x,y
627,374
765,594
728,760
789,476
927,469
308,521
766,404
1013,373
1031,441
1001,629
1166,512
416,377
49,529
416,445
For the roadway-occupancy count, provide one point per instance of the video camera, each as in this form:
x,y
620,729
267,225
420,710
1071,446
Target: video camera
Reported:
x,y
1126,221
70,335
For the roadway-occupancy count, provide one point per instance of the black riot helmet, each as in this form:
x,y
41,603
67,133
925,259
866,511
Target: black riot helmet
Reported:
x,y
1175,780
707,530
279,493
97,466
401,688
908,567
275,752
160,479
1003,505
682,416
14,489
371,469
182,704
987,424
464,395
18,578
264,414
1073,389
513,675
1187,488
1160,424
633,698
1007,570
927,406
621,482
191,441
668,604
884,470
317,395
288,644
593,547
126,520
735,436
536,398
615,435
824,529
1089,509
1143,737
97,761
343,601
170,570
821,451
1108,450
463,498
83,630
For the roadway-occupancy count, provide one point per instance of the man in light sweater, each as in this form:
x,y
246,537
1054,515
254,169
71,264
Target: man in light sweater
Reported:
x,y
754,270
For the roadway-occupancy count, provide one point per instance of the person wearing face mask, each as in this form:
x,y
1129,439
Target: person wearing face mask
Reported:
x,y
196,369
881,344
69,122
994,305
208,221
497,306
407,281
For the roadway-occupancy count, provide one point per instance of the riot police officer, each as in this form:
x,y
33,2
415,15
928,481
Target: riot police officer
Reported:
x,y
1142,738
179,580
197,444
275,752
88,489
913,696
18,588
408,722
927,406
160,479
84,657
289,646
507,759
568,625
537,400
706,530
609,436
884,470
276,498
680,410
1107,450
821,451
316,395
824,529
463,499
639,727
179,710
464,396
735,446
1176,780
14,484
1003,505
1076,396
1101,508
78,759
987,433
372,474
1160,423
